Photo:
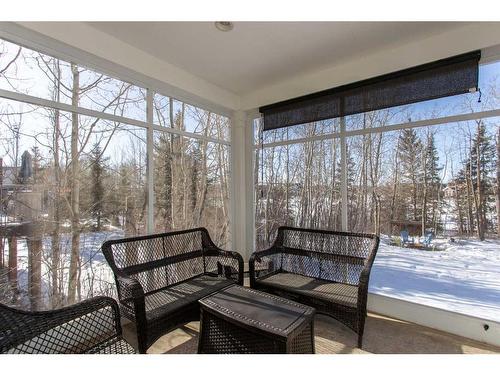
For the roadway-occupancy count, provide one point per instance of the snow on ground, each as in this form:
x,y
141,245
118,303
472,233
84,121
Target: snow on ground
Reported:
x,y
96,276
464,278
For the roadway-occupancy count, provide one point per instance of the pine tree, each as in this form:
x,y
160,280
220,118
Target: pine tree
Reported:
x,y
195,173
351,180
37,164
430,182
410,164
463,201
483,146
482,165
476,172
127,206
97,192
163,181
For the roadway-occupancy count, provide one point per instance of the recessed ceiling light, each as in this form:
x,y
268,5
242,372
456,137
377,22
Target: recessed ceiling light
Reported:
x,y
224,25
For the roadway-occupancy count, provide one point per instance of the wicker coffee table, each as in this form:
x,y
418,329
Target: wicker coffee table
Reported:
x,y
243,320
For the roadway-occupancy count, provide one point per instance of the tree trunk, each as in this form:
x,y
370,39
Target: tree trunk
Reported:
x,y
2,248
12,274
414,197
394,184
75,193
374,176
479,200
459,209
178,212
331,215
203,186
424,193
55,241
470,217
35,271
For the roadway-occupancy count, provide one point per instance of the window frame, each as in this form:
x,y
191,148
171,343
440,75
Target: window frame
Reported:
x,y
39,43
343,134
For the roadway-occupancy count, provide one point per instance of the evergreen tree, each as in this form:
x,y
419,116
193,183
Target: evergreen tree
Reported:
x,y
410,164
463,202
97,192
163,181
195,173
482,145
127,206
37,164
476,172
432,161
431,182
351,180
482,165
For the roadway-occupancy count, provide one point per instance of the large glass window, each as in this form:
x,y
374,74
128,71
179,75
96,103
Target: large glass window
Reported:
x,y
297,184
69,182
175,114
36,74
33,73
105,94
431,192
192,184
418,178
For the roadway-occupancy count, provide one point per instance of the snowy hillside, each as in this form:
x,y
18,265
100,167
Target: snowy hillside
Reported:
x,y
464,278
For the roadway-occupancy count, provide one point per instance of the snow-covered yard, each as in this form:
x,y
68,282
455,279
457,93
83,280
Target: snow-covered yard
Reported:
x,y
464,278
95,275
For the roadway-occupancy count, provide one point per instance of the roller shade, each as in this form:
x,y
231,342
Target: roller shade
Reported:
x,y
451,76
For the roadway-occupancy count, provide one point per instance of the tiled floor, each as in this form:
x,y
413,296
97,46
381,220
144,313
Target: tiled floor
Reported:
x,y
382,335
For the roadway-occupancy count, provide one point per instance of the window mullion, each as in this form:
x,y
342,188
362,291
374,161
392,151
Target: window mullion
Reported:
x,y
343,173
150,161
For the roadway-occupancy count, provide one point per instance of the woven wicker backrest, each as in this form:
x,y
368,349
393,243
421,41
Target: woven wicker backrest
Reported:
x,y
159,260
72,329
333,256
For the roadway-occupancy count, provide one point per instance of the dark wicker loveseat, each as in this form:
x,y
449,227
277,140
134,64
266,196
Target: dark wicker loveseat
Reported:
x,y
161,277
324,269
92,326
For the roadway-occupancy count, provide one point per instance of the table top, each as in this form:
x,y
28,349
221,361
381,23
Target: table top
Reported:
x,y
257,309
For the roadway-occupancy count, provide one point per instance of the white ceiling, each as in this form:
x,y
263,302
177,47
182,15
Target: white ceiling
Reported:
x,y
259,54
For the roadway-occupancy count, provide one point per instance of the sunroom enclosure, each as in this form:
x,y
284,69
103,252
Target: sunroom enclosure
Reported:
x,y
151,158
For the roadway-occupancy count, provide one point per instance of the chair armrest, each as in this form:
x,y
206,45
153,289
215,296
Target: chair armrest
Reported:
x,y
256,256
129,288
260,257
230,263
364,277
73,329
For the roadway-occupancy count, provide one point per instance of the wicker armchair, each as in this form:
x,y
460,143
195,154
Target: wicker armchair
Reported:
x,y
161,277
324,269
91,326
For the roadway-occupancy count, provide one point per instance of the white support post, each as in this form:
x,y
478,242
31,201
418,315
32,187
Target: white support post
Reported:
x,y
150,165
241,184
343,173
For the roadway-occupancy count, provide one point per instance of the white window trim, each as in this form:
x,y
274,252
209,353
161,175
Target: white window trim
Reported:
x,y
24,98
388,128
